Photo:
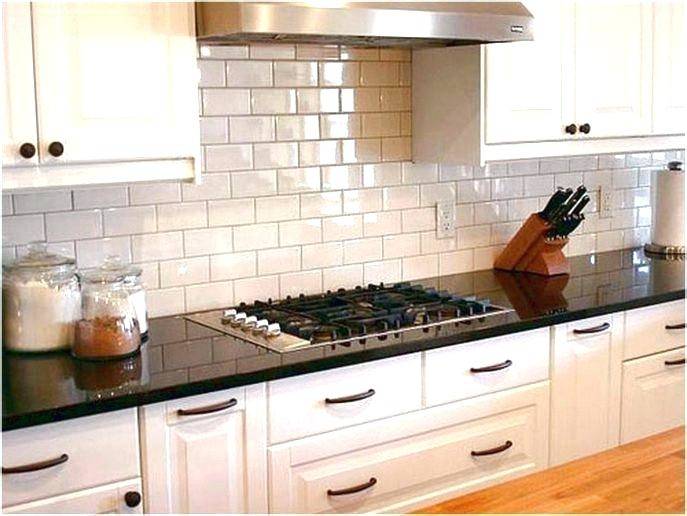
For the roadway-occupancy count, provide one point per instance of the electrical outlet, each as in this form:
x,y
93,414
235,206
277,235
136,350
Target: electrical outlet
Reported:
x,y
605,202
446,219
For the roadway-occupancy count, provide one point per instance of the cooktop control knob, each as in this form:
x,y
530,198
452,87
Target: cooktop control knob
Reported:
x,y
249,322
228,316
273,330
238,319
261,326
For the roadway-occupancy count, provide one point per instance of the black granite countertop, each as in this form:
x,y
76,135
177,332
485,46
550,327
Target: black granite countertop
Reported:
x,y
182,358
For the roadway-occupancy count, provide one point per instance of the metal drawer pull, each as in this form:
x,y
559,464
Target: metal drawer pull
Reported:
x,y
36,466
491,368
680,326
353,397
208,409
492,451
593,329
351,490
679,361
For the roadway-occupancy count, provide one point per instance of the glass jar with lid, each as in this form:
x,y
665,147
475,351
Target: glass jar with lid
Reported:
x,y
41,301
109,327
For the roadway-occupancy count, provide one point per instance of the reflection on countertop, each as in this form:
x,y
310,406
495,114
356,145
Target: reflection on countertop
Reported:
x,y
182,358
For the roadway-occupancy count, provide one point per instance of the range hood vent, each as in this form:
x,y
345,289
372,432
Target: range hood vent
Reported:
x,y
388,24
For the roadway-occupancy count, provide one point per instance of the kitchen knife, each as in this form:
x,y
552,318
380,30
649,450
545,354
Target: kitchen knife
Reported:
x,y
569,204
557,210
577,210
554,203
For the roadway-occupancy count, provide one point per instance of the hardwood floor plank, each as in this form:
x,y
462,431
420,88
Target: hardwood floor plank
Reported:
x,y
644,476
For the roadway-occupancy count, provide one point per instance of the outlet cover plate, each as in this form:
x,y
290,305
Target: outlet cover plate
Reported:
x,y
446,219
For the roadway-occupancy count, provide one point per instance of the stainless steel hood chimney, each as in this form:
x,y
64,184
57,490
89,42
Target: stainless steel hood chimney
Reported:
x,y
394,24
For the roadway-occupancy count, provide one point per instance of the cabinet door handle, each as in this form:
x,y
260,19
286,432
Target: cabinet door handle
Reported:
x,y
351,398
491,368
27,150
593,329
585,128
56,149
132,498
680,326
351,490
492,451
571,129
679,361
36,466
208,409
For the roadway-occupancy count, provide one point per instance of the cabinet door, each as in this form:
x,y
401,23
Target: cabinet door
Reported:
x,y
613,67
653,395
19,125
669,68
99,500
585,388
116,81
524,84
210,462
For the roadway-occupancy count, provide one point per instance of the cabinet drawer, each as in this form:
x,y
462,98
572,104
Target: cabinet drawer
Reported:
x,y
463,371
653,395
646,332
414,459
99,450
325,401
107,499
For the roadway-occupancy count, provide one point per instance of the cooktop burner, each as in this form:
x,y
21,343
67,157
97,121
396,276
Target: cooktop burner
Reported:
x,y
345,316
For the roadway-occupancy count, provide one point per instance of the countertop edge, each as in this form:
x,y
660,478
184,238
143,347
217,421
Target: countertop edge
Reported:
x,y
287,371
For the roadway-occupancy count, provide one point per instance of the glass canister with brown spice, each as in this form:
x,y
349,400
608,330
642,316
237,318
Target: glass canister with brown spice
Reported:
x,y
109,327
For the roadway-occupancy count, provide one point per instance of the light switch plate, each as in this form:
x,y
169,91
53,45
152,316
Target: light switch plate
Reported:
x,y
605,202
446,219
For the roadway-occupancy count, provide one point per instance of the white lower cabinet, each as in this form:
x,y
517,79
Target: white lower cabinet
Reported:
x,y
653,395
112,498
413,460
585,387
206,453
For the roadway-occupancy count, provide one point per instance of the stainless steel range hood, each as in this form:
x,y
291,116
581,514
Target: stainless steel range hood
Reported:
x,y
406,24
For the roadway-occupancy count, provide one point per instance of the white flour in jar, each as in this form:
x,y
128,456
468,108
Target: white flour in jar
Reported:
x,y
39,317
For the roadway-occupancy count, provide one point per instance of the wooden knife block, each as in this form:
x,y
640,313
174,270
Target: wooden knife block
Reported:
x,y
530,251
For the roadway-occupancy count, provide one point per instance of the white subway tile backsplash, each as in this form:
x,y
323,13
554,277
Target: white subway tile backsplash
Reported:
x,y
105,197
273,101
129,221
231,212
188,271
310,186
157,246
233,266
342,228
187,215
60,200
256,236
226,102
207,241
73,225
244,129
255,183
228,157
289,73
155,193
274,209
299,232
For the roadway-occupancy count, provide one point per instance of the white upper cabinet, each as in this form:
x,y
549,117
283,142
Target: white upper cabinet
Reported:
x,y
524,87
19,121
669,68
599,77
115,84
613,68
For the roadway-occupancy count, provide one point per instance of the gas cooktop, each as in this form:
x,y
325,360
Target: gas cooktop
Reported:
x,y
345,316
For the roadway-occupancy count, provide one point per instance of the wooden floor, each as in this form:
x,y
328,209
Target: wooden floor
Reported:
x,y
640,477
